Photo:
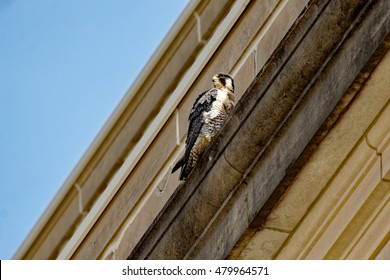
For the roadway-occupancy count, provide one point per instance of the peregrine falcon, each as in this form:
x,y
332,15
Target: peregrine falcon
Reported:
x,y
207,116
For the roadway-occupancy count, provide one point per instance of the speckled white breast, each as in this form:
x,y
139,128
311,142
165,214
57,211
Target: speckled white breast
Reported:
x,y
218,113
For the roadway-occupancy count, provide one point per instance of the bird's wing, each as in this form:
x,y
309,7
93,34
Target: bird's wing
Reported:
x,y
202,104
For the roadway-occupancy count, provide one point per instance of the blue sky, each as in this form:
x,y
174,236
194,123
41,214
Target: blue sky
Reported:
x,y
64,66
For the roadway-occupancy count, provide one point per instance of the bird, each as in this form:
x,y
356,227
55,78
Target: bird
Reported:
x,y
208,114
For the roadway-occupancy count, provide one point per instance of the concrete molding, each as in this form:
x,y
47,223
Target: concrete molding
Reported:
x,y
289,100
92,150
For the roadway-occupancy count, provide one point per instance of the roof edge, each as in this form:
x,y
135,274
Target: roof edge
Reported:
x,y
105,130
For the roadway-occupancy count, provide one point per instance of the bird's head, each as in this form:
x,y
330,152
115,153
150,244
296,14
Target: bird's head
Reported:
x,y
223,81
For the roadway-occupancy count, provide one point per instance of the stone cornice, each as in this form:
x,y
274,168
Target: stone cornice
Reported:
x,y
274,121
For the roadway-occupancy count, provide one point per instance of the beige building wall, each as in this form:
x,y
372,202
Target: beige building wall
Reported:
x,y
338,206
123,182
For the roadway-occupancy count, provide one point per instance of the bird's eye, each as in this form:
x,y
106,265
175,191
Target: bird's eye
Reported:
x,y
223,81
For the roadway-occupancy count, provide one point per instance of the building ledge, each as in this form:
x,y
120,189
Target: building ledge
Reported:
x,y
276,118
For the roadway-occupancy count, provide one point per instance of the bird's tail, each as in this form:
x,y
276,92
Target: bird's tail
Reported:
x,y
185,171
185,168
178,165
